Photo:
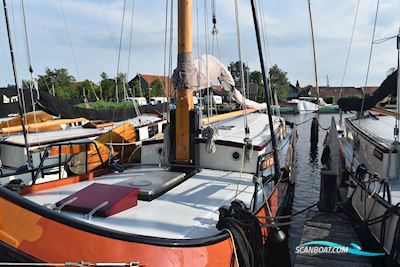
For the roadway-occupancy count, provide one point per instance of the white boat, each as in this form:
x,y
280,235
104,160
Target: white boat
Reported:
x,y
13,149
372,159
371,156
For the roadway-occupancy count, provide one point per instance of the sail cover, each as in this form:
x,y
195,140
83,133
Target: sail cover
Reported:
x,y
387,88
209,68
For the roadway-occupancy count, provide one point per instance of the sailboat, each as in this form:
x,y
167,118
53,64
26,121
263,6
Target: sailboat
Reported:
x,y
196,198
370,149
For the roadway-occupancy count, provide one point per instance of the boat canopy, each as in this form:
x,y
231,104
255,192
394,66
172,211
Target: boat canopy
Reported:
x,y
388,87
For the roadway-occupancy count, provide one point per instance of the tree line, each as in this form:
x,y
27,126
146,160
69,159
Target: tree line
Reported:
x,y
279,83
60,83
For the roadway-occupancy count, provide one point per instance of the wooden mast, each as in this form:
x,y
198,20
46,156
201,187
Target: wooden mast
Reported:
x,y
314,53
184,94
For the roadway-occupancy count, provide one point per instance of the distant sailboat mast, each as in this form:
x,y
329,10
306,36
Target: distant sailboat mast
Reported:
x,y
314,53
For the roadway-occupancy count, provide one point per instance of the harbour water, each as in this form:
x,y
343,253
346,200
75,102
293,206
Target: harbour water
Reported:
x,y
307,176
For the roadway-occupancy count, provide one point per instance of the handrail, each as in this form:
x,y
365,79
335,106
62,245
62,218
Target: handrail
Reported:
x,y
59,145
259,175
362,172
41,167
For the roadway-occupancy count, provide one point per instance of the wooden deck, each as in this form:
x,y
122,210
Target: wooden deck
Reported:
x,y
333,227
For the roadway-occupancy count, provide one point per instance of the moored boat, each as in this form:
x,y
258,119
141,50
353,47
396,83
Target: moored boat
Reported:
x,y
370,149
201,196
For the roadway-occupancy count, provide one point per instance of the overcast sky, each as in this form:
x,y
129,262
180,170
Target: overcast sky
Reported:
x,y
94,27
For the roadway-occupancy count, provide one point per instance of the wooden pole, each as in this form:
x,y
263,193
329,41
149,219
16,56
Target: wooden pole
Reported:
x,y
184,95
314,53
225,116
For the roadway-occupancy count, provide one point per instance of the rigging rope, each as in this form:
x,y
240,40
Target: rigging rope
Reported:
x,y
268,58
166,86
347,60
372,42
108,27
74,58
69,40
199,94
171,39
111,150
214,31
348,51
209,111
246,126
130,37
369,61
119,54
135,106
18,89
32,81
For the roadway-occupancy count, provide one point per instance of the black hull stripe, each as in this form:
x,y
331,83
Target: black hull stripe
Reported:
x,y
11,254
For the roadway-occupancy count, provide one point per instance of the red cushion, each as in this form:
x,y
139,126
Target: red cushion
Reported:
x,y
119,198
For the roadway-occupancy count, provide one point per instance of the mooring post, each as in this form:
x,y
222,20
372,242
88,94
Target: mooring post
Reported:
x,y
327,195
331,173
314,134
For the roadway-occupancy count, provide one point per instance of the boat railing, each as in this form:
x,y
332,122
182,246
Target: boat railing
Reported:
x,y
366,177
57,150
265,162
263,175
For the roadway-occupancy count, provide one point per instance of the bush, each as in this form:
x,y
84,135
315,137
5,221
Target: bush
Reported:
x,y
329,100
104,105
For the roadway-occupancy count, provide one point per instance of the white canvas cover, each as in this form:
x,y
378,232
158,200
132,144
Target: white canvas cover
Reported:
x,y
210,69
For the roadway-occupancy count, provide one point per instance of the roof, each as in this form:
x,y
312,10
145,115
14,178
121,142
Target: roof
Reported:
x,y
370,89
165,80
334,91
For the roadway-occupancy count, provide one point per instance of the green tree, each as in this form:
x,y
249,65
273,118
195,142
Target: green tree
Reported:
x,y
157,88
256,77
279,82
87,89
234,68
122,85
137,89
107,87
58,81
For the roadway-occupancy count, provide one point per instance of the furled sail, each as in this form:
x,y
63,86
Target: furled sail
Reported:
x,y
209,68
388,87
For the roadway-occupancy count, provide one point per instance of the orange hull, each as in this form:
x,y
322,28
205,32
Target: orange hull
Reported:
x,y
51,237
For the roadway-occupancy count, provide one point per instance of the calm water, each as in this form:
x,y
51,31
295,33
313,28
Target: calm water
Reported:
x,y
308,165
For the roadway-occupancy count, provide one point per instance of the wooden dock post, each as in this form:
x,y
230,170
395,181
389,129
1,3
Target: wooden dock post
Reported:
x,y
330,173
